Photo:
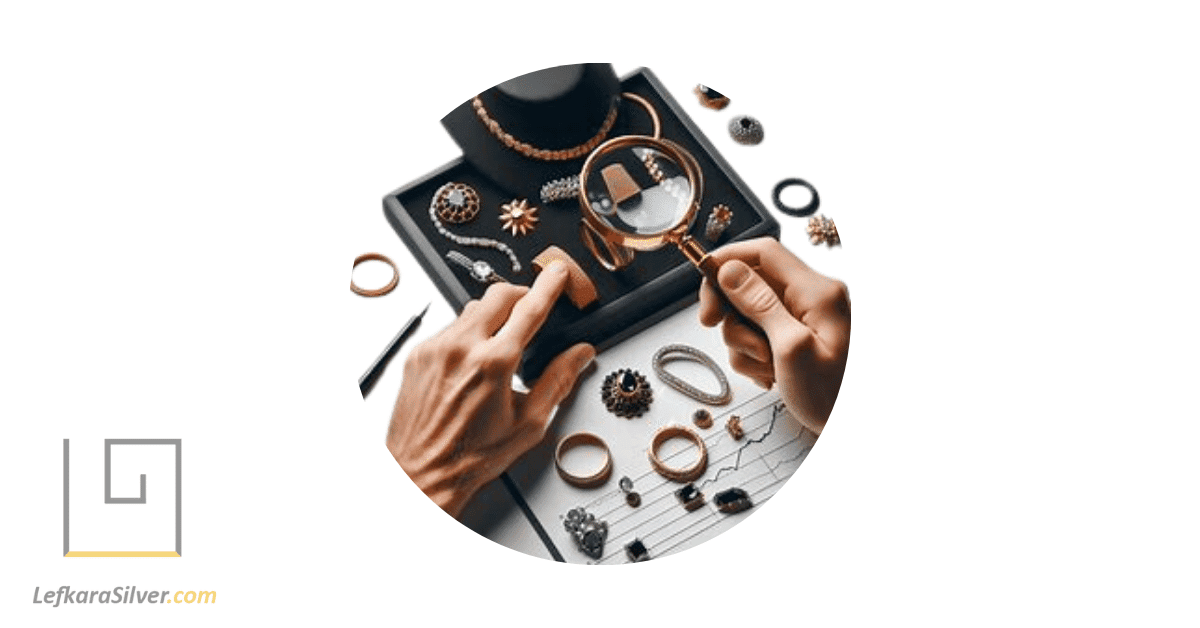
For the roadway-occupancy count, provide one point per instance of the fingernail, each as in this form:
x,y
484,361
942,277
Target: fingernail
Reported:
x,y
588,360
737,275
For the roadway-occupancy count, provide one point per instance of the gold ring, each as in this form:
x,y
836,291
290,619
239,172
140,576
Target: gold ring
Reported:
x,y
572,441
685,475
378,292
615,257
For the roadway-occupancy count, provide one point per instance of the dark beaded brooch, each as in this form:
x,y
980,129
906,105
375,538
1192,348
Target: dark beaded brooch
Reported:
x,y
626,393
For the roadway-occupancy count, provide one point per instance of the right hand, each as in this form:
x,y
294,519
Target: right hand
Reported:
x,y
805,317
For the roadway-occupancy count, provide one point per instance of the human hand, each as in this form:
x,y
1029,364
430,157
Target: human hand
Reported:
x,y
805,317
458,424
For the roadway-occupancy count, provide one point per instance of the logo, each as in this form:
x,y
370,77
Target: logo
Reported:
x,y
148,525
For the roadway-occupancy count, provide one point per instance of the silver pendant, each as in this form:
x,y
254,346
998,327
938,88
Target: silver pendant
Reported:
x,y
589,534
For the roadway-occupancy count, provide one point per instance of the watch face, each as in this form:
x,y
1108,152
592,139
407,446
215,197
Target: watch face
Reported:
x,y
481,270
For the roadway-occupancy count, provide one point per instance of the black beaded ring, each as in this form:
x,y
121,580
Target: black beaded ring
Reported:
x,y
807,210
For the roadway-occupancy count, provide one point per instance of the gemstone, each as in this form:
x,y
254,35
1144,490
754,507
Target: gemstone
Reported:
x,y
592,543
481,270
629,383
732,500
690,497
626,484
636,551
710,92
734,426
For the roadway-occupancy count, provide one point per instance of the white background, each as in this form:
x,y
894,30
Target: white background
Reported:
x,y
183,190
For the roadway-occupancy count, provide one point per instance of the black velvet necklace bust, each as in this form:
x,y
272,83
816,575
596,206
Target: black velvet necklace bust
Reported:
x,y
556,108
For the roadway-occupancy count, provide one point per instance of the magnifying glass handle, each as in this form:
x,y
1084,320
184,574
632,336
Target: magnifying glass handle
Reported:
x,y
708,266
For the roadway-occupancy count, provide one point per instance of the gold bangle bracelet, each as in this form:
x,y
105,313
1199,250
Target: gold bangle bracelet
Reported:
x,y
685,475
375,292
614,257
649,109
572,441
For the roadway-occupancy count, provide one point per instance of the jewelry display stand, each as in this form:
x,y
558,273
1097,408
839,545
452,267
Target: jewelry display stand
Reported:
x,y
655,285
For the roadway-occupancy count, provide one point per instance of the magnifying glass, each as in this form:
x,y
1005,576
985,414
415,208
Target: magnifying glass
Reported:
x,y
642,193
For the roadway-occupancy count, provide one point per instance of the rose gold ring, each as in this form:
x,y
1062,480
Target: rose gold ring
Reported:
x,y
687,474
575,440
377,292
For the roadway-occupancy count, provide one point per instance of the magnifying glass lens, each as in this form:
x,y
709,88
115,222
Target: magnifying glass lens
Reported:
x,y
638,190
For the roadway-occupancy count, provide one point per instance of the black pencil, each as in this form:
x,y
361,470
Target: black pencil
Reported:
x,y
367,381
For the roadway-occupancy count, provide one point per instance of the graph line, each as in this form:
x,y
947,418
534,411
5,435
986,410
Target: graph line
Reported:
x,y
776,411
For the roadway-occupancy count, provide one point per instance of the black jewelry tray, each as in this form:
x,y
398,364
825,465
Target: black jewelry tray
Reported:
x,y
656,285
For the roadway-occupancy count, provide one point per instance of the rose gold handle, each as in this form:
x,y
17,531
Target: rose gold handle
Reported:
x,y
708,266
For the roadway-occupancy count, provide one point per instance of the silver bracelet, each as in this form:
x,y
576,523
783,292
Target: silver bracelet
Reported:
x,y
464,241
674,352
561,189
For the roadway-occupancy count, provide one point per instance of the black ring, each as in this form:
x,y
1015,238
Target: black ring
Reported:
x,y
807,210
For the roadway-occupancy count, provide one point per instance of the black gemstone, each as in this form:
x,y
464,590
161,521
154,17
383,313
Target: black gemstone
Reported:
x,y
629,382
733,500
710,92
593,544
746,123
636,551
730,496
687,493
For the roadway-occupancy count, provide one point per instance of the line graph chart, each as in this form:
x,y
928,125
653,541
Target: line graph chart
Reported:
x,y
773,447
771,451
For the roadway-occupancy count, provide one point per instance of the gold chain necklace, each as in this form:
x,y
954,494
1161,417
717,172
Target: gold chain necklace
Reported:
x,y
533,152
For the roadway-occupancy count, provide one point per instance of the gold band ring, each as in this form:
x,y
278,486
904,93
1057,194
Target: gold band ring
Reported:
x,y
575,440
685,475
377,292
